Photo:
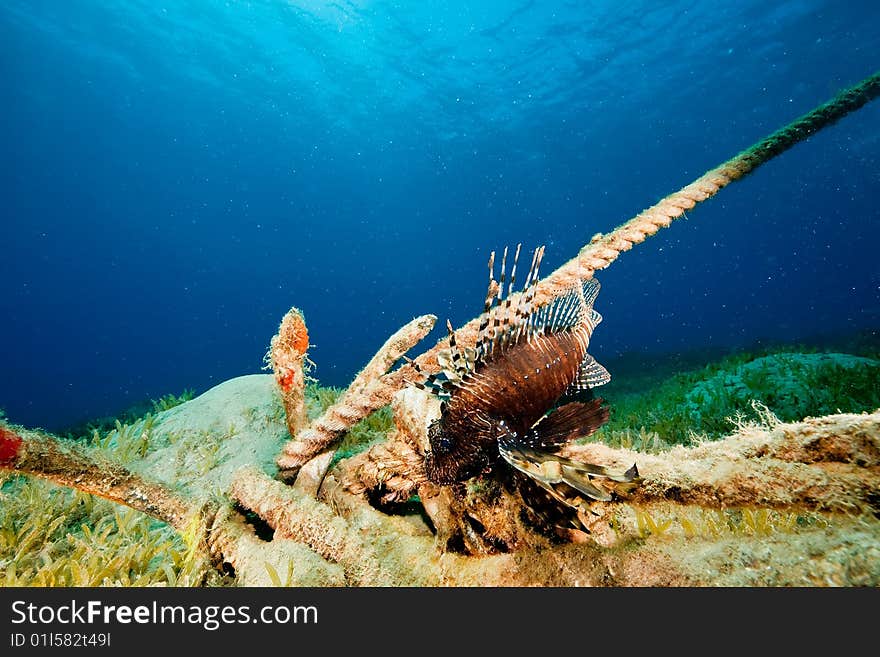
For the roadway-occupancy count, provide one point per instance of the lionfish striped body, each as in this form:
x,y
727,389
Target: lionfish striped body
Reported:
x,y
501,399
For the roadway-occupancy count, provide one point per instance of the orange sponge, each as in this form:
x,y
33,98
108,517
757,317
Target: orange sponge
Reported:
x,y
287,358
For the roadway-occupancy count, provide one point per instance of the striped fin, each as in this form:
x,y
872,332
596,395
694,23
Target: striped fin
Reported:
x,y
488,321
459,363
561,313
505,322
564,424
591,291
483,333
455,364
590,375
508,321
495,321
502,310
524,314
555,473
567,467
574,308
436,383
582,483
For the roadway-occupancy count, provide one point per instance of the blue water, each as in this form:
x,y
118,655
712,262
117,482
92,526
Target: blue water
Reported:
x,y
175,175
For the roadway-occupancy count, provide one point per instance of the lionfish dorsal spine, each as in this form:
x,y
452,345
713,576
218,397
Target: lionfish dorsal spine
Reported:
x,y
504,322
509,319
484,320
496,318
459,361
525,317
430,383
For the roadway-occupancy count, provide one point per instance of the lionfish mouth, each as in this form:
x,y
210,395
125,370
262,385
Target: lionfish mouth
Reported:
x,y
516,394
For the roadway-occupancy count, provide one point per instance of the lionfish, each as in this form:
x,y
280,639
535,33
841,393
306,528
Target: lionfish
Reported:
x,y
513,396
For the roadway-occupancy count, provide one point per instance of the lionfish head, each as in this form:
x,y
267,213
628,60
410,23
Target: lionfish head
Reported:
x,y
453,457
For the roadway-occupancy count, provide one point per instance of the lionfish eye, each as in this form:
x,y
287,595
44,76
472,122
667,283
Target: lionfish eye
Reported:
x,y
443,444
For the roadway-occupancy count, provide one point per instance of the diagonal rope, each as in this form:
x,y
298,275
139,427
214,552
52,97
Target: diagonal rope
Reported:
x,y
605,249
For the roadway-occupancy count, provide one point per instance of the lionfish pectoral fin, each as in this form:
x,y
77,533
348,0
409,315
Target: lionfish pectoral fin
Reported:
x,y
551,471
592,470
564,424
566,486
576,498
555,473
582,484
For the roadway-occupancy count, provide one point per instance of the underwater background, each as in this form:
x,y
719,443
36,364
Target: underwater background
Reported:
x,y
177,175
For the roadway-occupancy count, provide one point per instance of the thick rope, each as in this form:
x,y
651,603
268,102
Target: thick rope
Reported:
x,y
68,464
604,249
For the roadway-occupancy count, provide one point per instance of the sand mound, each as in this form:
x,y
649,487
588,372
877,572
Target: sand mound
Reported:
x,y
202,442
